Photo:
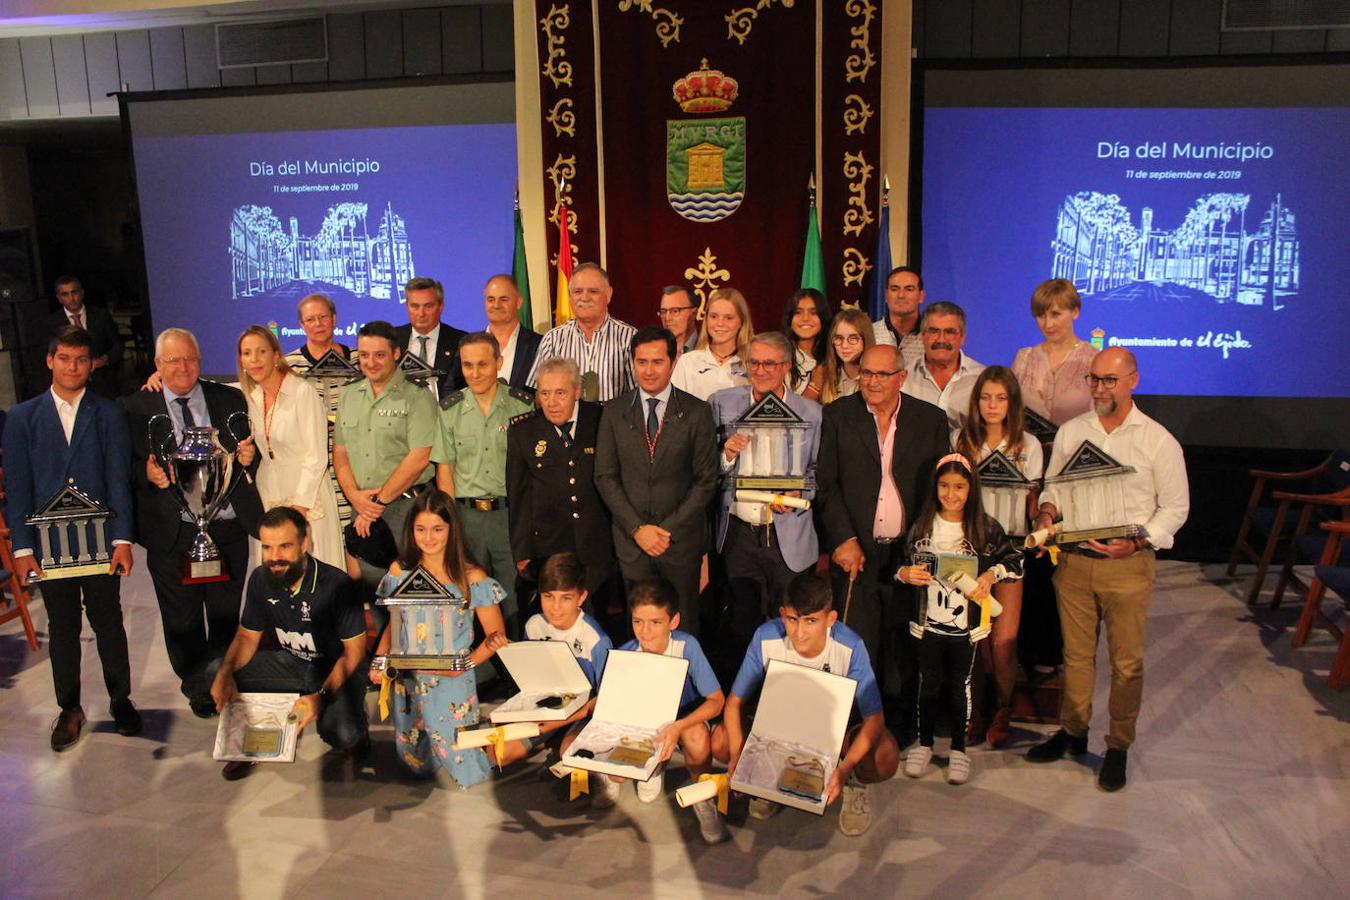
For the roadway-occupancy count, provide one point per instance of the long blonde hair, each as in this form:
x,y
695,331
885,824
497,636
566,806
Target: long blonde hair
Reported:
x,y
246,384
833,366
744,333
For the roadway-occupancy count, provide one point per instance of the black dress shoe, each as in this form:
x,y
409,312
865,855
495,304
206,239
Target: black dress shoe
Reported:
x,y
1112,774
125,717
66,731
237,769
1060,742
203,707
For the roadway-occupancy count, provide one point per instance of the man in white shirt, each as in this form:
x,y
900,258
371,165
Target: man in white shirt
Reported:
x,y
594,340
501,304
1111,582
944,375
900,327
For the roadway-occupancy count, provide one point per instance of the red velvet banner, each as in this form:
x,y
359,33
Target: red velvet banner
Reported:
x,y
712,194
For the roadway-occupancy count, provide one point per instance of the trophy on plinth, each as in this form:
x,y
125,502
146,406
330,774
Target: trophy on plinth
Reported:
x,y
1090,494
202,475
777,458
1003,491
421,625
418,370
72,534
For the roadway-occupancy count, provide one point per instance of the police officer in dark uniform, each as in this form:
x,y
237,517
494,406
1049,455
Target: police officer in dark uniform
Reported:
x,y
550,480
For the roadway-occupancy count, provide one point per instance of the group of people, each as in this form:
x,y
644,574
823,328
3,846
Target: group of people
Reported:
x,y
594,468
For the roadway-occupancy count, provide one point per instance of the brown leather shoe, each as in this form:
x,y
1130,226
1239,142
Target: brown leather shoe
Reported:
x,y
1000,728
66,731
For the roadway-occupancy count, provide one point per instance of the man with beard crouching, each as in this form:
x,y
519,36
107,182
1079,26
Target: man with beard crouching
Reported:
x,y
302,631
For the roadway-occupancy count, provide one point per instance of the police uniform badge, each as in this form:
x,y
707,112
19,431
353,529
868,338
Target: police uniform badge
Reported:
x,y
540,448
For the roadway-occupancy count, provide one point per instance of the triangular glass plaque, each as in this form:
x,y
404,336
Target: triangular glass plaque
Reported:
x,y
998,471
416,370
333,365
770,411
69,503
1091,460
1040,426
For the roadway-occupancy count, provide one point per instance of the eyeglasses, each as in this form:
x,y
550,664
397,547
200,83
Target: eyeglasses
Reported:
x,y
672,310
175,361
316,320
1107,381
943,332
849,339
874,375
764,363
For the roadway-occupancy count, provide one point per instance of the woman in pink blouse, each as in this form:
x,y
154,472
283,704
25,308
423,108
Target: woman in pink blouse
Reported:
x,y
1051,373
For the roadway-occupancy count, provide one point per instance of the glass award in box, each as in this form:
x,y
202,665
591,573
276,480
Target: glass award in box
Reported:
x,y
552,683
257,727
421,625
1003,491
1090,493
778,457
71,530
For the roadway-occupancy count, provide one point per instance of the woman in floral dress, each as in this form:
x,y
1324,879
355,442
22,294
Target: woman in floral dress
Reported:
x,y
430,706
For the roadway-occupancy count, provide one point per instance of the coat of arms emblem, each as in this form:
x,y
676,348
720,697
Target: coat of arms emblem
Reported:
x,y
705,158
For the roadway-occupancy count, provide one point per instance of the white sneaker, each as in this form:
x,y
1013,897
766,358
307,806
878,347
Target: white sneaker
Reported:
x,y
958,768
650,791
762,809
604,793
855,811
917,760
712,827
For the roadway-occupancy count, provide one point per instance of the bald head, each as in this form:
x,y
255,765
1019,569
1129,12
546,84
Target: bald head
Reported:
x,y
1118,357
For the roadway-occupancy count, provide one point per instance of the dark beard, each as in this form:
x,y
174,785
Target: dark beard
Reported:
x,y
283,579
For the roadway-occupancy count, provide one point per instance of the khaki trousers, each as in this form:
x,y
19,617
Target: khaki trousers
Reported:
x,y
1115,592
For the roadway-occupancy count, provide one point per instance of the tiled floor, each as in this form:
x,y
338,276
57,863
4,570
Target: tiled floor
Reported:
x,y
1240,786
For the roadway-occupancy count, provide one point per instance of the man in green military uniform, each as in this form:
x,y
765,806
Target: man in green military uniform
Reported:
x,y
386,426
470,457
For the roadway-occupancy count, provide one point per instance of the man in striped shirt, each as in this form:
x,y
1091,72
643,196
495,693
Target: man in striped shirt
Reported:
x,y
596,341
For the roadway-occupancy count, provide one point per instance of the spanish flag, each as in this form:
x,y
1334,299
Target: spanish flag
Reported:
x,y
563,310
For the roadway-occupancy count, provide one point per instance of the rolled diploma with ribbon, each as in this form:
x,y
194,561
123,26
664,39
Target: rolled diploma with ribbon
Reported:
x,y
1037,538
482,737
746,496
697,792
968,586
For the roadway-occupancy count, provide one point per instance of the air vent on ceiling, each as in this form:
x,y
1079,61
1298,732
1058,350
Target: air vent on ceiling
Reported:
x,y
271,43
1285,15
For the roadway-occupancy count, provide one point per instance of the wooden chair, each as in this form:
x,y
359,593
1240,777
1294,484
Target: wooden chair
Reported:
x,y
1269,516
1337,577
1305,544
15,593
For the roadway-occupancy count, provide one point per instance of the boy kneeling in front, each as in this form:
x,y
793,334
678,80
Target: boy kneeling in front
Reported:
x,y
807,633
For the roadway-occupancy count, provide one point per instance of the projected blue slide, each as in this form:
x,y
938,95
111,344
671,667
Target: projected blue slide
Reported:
x,y
238,228
1211,242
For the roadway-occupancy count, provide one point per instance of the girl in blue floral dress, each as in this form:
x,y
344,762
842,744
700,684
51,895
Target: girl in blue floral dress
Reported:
x,y
430,706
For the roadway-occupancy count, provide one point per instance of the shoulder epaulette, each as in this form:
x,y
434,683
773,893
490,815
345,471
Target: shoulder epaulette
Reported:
x,y
524,395
452,399
521,417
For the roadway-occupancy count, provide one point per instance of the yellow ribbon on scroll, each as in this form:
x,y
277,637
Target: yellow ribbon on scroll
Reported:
x,y
498,741
580,784
723,781
385,683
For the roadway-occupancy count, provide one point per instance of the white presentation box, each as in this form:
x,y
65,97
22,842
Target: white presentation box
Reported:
x,y
541,669
802,716
639,693
257,727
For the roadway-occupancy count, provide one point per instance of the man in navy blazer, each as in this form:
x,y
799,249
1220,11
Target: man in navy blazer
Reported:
x,y
199,619
656,470
72,437
763,546
428,338
520,345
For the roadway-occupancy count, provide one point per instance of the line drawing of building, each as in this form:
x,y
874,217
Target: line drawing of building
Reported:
x,y
1098,247
343,253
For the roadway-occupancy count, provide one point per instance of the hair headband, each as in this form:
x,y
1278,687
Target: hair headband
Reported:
x,y
954,457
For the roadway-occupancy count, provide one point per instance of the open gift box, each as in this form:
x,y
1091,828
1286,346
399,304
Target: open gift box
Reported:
x,y
639,693
257,727
793,745
542,669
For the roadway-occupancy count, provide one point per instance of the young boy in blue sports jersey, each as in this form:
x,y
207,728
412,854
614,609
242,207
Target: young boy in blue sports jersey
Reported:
x,y
561,594
654,608
808,633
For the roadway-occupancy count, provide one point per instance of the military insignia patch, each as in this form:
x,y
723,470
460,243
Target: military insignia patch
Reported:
x,y
705,158
540,448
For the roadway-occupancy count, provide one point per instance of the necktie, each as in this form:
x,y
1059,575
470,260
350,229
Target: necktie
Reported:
x,y
188,421
653,423
422,347
566,429
78,319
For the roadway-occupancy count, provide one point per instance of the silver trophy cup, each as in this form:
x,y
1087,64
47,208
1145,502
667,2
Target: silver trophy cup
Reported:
x,y
202,475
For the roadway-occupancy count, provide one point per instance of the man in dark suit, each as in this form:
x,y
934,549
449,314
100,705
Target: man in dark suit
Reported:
x,y
863,515
107,343
69,438
656,468
501,303
550,479
199,619
429,339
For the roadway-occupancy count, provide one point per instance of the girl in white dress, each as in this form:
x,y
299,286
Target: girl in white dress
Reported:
x,y
290,427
